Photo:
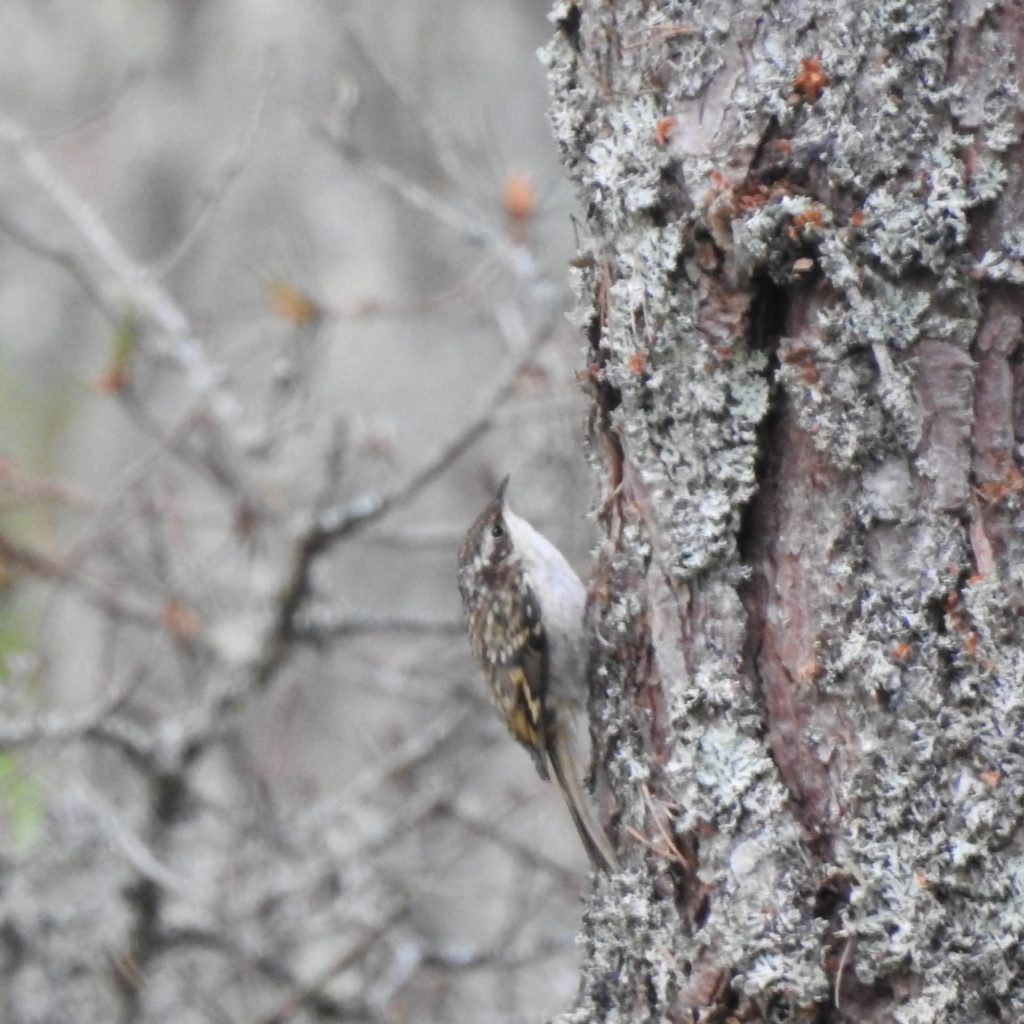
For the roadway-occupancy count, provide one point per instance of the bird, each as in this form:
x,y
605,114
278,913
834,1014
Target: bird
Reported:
x,y
524,608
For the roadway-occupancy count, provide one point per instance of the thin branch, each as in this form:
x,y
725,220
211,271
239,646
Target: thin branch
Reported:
x,y
150,301
415,750
93,722
66,260
494,958
271,966
319,626
205,722
213,194
311,991
470,225
418,537
143,860
441,147
18,488
368,508
103,598
487,829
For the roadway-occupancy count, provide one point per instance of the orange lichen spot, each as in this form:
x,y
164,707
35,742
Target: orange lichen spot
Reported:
x,y
857,218
807,671
971,644
921,879
663,129
992,777
518,197
812,80
796,354
181,620
720,181
638,363
706,256
996,491
754,197
802,357
901,653
811,217
809,373
292,304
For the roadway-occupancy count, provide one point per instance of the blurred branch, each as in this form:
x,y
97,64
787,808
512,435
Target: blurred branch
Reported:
x,y
308,995
213,193
66,260
441,148
319,626
143,860
487,829
206,721
23,489
152,303
150,300
413,751
419,537
494,958
103,598
367,509
95,722
310,992
471,226
177,441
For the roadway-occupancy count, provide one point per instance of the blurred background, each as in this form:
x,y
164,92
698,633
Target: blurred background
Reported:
x,y
282,297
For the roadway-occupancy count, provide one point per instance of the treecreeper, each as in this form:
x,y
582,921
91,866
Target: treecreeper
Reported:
x,y
524,608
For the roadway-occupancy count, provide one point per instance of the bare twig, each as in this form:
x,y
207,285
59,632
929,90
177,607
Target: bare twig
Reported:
x,y
64,571
143,860
273,967
24,489
206,721
470,225
311,990
93,722
66,260
416,749
368,508
319,626
180,343
214,192
495,958
529,855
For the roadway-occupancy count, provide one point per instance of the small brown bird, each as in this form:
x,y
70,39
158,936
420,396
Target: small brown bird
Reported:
x,y
524,608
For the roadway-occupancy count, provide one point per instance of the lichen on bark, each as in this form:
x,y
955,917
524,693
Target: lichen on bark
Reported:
x,y
799,280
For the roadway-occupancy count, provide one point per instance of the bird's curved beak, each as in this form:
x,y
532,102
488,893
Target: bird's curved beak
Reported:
x,y
500,496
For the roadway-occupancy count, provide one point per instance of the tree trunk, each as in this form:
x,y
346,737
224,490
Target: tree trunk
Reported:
x,y
799,278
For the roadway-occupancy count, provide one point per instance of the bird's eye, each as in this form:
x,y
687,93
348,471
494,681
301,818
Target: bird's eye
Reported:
x,y
497,531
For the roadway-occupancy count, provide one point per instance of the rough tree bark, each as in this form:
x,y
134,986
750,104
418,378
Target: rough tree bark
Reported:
x,y
799,279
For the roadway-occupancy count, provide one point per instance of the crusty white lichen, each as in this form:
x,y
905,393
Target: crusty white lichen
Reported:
x,y
872,208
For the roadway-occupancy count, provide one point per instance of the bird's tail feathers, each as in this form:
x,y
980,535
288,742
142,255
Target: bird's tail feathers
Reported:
x,y
566,769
